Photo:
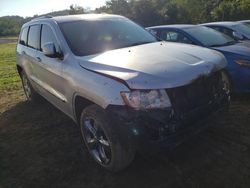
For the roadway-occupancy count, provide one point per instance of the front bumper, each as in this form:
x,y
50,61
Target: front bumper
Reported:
x,y
151,131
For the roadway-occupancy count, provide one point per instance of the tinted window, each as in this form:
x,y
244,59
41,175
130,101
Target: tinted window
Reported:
x,y
23,36
96,36
174,36
33,37
47,36
209,37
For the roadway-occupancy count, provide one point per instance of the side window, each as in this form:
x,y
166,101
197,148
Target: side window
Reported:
x,y
216,28
171,36
33,36
174,36
219,29
23,36
228,32
47,36
224,30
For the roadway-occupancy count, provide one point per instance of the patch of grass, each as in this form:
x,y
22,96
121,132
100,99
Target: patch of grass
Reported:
x,y
9,78
10,83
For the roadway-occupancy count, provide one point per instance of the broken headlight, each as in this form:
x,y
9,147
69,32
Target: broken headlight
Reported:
x,y
146,99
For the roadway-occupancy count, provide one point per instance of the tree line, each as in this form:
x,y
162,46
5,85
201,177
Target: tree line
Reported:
x,y
155,12
151,12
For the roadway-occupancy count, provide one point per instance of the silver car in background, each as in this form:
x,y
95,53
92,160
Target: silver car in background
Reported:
x,y
128,91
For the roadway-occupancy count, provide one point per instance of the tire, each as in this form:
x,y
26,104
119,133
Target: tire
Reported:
x,y
102,141
227,82
29,92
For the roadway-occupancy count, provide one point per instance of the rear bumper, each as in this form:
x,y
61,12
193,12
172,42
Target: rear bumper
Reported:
x,y
151,131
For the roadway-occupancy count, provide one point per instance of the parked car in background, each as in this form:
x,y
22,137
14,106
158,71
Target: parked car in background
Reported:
x,y
245,21
236,53
237,30
125,89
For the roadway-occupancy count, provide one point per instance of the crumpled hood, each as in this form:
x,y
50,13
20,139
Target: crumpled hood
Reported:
x,y
241,48
155,65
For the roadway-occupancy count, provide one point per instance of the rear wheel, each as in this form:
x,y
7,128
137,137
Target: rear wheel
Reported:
x,y
29,92
102,140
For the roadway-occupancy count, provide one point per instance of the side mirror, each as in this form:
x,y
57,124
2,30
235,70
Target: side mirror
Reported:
x,y
22,42
49,50
238,36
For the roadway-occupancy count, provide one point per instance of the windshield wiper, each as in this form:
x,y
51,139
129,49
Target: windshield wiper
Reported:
x,y
139,43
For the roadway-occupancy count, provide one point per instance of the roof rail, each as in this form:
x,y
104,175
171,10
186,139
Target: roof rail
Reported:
x,y
41,17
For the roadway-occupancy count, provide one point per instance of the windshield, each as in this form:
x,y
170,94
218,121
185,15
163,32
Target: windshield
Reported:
x,y
242,28
92,37
209,37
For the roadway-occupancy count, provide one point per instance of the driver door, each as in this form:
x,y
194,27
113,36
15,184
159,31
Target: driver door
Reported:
x,y
50,71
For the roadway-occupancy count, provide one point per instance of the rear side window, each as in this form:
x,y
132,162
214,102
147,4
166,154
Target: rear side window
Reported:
x,y
33,36
47,36
23,36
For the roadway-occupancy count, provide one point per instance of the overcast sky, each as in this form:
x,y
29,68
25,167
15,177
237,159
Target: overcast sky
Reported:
x,y
31,7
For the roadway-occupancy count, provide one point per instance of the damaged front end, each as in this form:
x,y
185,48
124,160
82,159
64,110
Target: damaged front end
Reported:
x,y
191,105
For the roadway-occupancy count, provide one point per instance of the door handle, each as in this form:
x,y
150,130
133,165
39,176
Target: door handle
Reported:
x,y
38,59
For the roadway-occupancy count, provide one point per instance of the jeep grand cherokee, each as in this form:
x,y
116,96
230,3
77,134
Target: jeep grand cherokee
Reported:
x,y
125,89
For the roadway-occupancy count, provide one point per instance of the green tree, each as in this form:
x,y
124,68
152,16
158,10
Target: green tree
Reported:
x,y
75,9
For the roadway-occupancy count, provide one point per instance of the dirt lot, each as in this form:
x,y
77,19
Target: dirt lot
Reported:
x,y
41,147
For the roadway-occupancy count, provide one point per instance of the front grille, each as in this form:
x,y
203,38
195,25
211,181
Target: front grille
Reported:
x,y
201,92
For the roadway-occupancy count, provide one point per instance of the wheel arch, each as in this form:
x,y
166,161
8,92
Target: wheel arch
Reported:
x,y
19,69
80,103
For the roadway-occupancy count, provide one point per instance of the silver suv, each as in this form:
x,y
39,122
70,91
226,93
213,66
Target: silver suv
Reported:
x,y
128,91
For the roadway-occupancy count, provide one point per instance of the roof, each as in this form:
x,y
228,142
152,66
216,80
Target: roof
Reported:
x,y
85,17
221,23
68,18
178,26
244,21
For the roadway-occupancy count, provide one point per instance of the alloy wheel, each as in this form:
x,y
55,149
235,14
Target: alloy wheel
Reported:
x,y
96,141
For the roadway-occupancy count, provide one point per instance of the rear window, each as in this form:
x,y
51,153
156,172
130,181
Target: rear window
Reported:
x,y
23,36
33,37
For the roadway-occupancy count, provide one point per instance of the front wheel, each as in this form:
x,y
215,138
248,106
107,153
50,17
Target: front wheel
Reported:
x,y
227,84
102,140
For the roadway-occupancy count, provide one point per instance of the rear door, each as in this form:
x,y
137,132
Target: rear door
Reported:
x,y
29,53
